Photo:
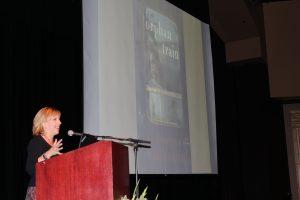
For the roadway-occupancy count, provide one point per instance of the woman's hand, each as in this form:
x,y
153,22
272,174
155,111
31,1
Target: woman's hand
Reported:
x,y
55,149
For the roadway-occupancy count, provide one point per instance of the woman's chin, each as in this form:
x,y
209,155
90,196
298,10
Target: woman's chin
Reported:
x,y
56,133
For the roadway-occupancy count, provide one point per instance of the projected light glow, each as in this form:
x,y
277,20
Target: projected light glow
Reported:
x,y
148,75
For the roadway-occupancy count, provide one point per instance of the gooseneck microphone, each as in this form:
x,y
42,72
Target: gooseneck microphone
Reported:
x,y
82,136
71,133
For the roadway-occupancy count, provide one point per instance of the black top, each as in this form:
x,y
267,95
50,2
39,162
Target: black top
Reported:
x,y
36,147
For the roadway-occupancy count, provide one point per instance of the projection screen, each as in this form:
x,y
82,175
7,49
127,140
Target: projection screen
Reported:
x,y
148,75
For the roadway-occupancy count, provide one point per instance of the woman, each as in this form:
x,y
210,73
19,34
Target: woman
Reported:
x,y
42,146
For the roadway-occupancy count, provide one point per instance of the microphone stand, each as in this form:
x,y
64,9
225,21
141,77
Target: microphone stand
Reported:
x,y
82,138
135,143
135,150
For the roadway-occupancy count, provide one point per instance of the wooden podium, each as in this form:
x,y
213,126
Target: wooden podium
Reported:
x,y
97,171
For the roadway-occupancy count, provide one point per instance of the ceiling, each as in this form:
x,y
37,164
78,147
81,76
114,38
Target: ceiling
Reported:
x,y
234,19
240,25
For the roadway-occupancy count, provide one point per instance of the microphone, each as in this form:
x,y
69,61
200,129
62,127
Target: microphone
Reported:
x,y
71,133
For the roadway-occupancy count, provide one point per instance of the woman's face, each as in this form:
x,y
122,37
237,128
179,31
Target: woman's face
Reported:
x,y
52,124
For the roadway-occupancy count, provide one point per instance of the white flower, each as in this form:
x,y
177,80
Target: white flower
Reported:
x,y
124,198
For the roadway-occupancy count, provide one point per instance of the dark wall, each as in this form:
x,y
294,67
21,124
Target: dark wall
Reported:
x,y
42,65
282,45
199,10
250,131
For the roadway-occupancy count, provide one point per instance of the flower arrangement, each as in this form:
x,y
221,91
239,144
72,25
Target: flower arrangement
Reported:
x,y
135,197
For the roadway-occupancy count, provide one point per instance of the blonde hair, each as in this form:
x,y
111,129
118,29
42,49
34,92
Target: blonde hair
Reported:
x,y
41,116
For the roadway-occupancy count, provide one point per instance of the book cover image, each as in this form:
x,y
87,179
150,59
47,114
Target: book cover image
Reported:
x,y
162,112
163,88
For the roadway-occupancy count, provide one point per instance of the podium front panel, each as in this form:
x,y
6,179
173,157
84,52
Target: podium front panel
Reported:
x,y
97,171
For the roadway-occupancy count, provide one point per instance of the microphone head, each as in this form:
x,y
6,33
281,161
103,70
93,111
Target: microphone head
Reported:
x,y
70,132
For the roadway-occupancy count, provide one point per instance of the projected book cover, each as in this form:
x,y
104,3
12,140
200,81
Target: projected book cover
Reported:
x,y
163,73
161,88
